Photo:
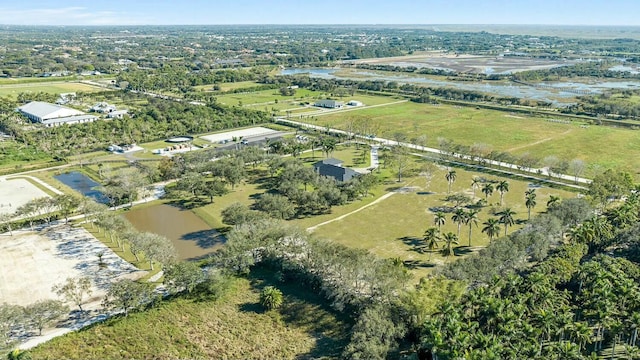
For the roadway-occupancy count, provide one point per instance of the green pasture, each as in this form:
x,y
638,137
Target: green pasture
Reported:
x,y
227,86
234,326
599,146
392,227
267,97
52,87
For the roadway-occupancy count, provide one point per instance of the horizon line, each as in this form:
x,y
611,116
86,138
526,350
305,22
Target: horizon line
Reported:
x,y
322,24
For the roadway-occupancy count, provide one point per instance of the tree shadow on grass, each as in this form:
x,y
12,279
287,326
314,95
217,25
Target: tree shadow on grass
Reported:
x,y
252,308
415,243
414,264
462,250
305,308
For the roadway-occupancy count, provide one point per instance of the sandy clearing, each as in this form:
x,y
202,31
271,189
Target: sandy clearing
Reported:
x,y
35,261
17,192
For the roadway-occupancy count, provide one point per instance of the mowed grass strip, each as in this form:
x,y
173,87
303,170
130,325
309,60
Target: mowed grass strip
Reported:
x,y
599,146
232,327
51,88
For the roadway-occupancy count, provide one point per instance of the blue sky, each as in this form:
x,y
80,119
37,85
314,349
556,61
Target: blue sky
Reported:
x,y
214,12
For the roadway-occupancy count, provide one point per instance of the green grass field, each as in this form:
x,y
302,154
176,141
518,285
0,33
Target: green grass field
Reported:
x,y
51,87
266,97
233,327
227,86
599,146
391,227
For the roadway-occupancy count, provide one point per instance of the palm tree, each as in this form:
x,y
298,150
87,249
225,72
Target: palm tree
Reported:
x,y
439,219
458,217
622,216
600,229
475,184
471,218
271,297
431,238
530,201
491,228
553,201
449,239
451,178
487,190
581,333
502,187
506,218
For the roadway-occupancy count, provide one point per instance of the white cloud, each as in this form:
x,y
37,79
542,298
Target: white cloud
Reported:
x,y
68,16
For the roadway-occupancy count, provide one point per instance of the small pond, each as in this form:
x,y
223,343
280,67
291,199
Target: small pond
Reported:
x,y
191,236
82,184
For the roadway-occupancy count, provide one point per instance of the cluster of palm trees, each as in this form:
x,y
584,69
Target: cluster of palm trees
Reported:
x,y
492,227
599,230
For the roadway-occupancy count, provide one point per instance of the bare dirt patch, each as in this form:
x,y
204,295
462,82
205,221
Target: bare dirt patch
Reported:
x,y
33,262
17,192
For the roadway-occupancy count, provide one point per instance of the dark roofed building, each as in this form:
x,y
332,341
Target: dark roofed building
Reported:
x,y
330,161
333,168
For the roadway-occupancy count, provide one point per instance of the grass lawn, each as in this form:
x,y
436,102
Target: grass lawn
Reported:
x,y
52,87
232,327
228,86
266,96
599,146
392,227
350,155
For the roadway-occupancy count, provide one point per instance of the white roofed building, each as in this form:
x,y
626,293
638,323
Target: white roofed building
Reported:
x,y
53,115
39,111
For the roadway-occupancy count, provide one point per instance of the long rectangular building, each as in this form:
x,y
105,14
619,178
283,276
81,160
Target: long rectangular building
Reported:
x,y
54,115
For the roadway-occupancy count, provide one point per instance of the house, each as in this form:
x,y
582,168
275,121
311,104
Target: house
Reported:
x,y
53,115
355,103
333,168
103,108
329,104
118,114
66,98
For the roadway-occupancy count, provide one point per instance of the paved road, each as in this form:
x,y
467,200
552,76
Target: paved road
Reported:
x,y
533,173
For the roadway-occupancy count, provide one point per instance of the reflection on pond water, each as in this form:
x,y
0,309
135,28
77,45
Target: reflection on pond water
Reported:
x,y
191,236
82,184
